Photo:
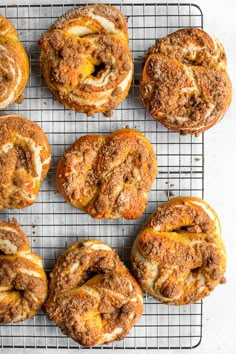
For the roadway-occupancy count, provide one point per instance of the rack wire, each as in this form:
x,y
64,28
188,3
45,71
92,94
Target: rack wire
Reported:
x,y
52,224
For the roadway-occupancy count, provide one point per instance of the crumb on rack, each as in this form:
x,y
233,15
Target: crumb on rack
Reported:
x,y
169,193
20,99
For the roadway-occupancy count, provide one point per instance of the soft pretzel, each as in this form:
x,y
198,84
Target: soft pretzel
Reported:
x,y
108,177
14,64
23,282
92,296
24,161
179,256
86,60
185,85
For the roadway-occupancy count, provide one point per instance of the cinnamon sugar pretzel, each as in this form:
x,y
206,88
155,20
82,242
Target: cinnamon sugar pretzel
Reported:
x,y
179,256
108,176
85,59
14,64
185,85
24,161
92,296
23,282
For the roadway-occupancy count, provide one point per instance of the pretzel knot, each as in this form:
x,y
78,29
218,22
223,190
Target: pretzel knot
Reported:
x,y
24,161
179,256
92,296
108,177
85,59
185,85
23,282
14,64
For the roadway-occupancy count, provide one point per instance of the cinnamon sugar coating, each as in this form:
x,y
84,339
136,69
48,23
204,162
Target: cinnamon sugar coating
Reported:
x,y
23,282
85,59
108,177
185,85
24,161
92,296
14,65
179,256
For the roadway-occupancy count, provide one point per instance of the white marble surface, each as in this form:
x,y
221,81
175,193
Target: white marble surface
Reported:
x,y
219,320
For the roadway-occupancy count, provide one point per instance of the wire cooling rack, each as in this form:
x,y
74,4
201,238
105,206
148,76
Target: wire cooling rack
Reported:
x,y
53,224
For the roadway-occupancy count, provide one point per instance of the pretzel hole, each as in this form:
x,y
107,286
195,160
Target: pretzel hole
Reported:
x,y
195,271
182,229
23,157
98,69
89,273
190,229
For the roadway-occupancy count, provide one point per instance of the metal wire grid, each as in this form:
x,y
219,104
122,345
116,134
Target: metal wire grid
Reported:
x,y
52,224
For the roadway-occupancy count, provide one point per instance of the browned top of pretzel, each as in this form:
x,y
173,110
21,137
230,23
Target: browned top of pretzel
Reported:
x,y
184,83
85,59
92,296
23,282
14,64
24,161
108,176
179,256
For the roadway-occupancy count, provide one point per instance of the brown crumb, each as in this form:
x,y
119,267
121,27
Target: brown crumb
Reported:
x,y
108,114
20,99
169,193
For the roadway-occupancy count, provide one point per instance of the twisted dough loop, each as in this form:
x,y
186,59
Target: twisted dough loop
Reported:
x,y
108,177
14,64
179,256
184,84
24,161
92,296
85,59
23,282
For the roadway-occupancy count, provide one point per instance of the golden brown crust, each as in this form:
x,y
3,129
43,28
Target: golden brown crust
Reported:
x,y
23,282
108,177
24,161
179,256
14,64
92,296
185,85
82,15
85,59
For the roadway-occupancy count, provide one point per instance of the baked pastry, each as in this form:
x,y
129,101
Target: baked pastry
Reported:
x,y
14,64
185,85
86,60
92,296
179,256
108,176
24,161
23,282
